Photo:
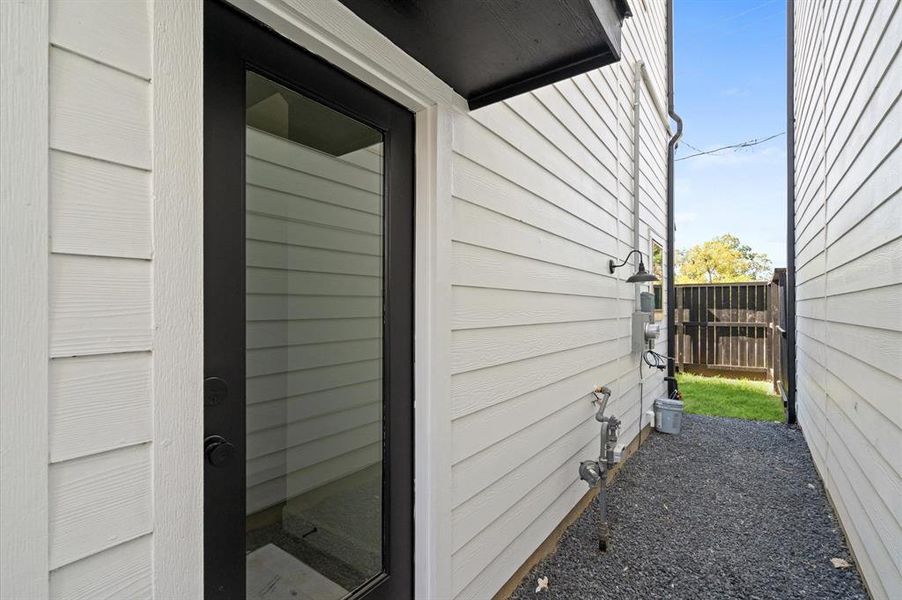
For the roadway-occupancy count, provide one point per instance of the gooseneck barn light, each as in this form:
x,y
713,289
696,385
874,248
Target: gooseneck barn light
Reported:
x,y
641,275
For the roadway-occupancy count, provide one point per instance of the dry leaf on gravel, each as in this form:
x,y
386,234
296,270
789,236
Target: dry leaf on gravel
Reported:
x,y
840,563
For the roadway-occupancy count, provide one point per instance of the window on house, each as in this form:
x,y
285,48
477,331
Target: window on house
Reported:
x,y
657,268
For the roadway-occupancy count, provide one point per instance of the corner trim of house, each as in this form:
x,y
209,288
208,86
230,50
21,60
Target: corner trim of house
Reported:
x,y
548,546
432,345
178,347
24,293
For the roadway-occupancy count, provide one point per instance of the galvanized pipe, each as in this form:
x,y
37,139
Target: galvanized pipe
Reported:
x,y
603,527
607,438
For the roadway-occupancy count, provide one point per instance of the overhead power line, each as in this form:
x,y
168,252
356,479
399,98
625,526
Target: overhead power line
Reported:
x,y
739,146
745,12
685,143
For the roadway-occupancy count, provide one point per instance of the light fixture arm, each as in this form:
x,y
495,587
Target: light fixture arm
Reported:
x,y
613,266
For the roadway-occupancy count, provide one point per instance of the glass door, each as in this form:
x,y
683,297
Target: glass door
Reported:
x,y
308,222
313,292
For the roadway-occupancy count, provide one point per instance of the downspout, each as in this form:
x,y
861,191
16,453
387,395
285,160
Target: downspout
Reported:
x,y
790,292
671,227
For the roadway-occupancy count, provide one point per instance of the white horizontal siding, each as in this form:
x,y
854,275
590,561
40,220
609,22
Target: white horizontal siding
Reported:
x,y
542,200
98,502
101,300
99,305
99,208
98,111
115,33
314,317
108,395
122,572
848,244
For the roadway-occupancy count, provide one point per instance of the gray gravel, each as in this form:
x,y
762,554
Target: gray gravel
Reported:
x,y
725,509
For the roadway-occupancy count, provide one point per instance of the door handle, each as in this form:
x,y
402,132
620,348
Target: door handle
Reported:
x,y
218,451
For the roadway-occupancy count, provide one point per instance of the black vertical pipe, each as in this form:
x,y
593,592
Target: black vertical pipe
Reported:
x,y
671,228
790,294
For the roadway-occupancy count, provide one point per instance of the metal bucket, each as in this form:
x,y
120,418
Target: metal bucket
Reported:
x,y
668,415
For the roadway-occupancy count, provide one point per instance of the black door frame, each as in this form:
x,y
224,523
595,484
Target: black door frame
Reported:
x,y
234,43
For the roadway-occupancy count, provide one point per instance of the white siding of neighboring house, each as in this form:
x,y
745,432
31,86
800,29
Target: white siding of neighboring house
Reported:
x,y
848,216
542,199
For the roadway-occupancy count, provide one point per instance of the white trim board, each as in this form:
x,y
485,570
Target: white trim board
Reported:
x,y
178,302
432,360
24,280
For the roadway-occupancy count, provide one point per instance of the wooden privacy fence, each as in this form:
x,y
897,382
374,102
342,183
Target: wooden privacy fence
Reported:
x,y
729,328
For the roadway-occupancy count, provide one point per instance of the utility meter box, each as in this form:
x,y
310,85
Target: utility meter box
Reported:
x,y
645,329
640,320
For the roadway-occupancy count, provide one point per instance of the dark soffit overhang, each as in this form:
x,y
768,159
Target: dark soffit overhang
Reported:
x,y
489,50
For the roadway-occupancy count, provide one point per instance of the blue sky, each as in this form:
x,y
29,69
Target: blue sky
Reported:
x,y
730,86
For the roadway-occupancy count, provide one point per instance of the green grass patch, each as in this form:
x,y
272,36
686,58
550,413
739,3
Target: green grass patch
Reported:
x,y
736,398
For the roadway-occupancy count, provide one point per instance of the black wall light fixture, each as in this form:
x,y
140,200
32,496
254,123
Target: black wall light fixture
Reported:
x,y
640,276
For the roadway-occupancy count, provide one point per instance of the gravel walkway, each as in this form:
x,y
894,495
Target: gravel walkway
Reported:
x,y
726,509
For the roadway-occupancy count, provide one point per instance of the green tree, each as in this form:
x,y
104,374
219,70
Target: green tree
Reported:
x,y
723,259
